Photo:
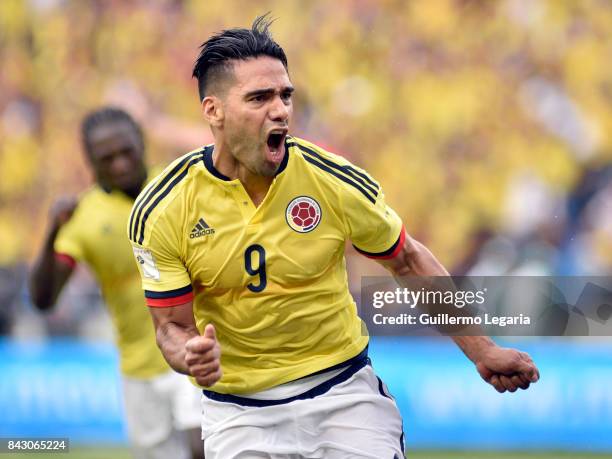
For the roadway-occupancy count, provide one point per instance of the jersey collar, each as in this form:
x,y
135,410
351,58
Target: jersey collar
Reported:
x,y
208,162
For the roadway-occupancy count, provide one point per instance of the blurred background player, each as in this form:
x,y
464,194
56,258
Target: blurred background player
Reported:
x,y
162,408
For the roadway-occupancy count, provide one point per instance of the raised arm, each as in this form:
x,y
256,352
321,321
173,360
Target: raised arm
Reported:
x,y
185,350
503,368
51,271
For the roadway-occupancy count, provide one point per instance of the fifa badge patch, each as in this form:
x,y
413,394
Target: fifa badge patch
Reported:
x,y
303,214
147,263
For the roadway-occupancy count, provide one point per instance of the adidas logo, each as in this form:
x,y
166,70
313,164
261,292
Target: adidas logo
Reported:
x,y
201,229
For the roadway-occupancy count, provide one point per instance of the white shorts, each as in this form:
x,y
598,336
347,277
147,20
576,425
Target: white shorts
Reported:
x,y
159,411
356,418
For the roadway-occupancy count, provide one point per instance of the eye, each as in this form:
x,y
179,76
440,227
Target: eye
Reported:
x,y
106,159
127,151
259,98
286,96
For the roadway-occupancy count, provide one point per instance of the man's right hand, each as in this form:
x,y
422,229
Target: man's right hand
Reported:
x,y
62,210
203,357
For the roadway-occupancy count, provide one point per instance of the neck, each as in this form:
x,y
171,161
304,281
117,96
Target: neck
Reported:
x,y
256,185
132,192
135,191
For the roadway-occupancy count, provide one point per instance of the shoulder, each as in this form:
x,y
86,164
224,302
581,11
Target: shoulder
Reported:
x,y
91,195
307,149
86,211
89,202
175,172
335,169
160,192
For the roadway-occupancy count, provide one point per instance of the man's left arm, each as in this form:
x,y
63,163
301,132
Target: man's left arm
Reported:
x,y
377,232
504,368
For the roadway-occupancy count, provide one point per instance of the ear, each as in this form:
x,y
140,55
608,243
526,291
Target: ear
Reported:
x,y
212,109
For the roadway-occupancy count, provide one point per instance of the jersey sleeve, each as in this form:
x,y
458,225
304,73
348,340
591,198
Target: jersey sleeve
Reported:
x,y
373,227
165,279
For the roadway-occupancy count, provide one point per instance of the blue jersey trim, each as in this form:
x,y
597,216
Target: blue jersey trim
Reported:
x,y
384,254
362,175
141,202
208,162
349,171
354,365
165,193
341,177
283,165
168,293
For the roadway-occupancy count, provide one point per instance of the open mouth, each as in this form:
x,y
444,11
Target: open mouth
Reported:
x,y
276,140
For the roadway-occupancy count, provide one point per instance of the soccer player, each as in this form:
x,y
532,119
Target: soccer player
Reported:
x,y
162,407
248,236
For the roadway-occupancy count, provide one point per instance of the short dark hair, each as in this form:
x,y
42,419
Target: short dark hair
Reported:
x,y
234,44
106,115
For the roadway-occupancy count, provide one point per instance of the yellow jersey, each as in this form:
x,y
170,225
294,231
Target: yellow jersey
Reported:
x,y
271,278
96,235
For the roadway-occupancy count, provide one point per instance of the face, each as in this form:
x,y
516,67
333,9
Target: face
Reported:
x,y
117,157
256,109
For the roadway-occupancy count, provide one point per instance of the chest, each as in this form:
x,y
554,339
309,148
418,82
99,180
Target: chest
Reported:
x,y
107,248
291,238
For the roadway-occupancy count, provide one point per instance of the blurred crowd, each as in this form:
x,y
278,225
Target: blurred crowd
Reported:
x,y
489,123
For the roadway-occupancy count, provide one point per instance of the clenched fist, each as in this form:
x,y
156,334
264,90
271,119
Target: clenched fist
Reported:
x,y
507,369
62,210
203,357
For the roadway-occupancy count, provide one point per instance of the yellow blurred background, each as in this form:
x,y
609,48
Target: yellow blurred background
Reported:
x,y
488,123
479,118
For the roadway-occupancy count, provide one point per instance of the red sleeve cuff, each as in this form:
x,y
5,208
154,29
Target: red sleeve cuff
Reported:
x,y
65,259
169,298
169,302
389,253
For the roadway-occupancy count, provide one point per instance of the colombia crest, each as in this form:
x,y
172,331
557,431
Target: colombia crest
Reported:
x,y
303,214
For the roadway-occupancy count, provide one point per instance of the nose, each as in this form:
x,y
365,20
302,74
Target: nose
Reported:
x,y
121,164
280,110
